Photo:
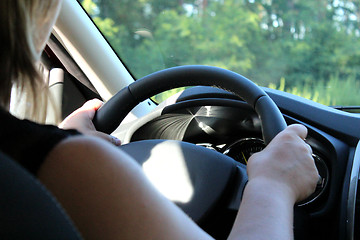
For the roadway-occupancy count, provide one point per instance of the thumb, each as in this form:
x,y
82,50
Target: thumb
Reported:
x,y
92,106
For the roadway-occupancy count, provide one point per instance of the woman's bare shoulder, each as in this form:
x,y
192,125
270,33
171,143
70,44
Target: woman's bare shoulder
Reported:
x,y
79,145
84,150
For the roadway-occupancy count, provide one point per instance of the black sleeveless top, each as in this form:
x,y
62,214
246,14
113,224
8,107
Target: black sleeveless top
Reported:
x,y
28,143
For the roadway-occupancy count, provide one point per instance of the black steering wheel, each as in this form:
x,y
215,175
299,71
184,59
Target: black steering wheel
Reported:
x,y
210,173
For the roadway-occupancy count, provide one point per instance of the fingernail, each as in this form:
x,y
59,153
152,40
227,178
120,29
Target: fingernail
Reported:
x,y
116,141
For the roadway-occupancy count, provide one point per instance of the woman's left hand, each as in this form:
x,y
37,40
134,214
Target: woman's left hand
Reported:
x,y
81,120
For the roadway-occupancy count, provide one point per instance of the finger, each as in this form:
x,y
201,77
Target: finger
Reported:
x,y
91,107
115,140
299,130
309,147
112,139
109,138
93,104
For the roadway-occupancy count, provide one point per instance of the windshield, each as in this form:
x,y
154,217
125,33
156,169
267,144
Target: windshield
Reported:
x,y
308,48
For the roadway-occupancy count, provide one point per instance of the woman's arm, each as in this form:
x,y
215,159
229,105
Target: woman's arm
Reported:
x,y
279,176
108,196
81,120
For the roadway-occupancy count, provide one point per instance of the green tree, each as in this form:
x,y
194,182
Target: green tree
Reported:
x,y
309,44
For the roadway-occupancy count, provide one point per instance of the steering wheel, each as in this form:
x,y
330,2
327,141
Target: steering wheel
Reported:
x,y
210,174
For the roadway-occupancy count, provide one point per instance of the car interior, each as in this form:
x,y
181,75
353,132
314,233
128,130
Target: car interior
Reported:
x,y
194,145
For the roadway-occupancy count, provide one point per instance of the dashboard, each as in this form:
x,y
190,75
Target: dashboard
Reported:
x,y
222,122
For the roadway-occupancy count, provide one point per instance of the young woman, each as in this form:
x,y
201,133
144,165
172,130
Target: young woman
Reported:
x,y
103,189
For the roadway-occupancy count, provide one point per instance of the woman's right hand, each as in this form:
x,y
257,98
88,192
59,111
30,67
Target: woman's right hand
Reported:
x,y
81,120
286,163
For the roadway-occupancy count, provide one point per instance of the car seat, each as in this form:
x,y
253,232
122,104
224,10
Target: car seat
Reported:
x,y
27,209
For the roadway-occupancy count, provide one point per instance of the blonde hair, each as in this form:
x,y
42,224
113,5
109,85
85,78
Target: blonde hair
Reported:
x,y
19,57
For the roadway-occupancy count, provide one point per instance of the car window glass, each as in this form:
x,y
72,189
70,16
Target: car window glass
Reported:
x,y
308,48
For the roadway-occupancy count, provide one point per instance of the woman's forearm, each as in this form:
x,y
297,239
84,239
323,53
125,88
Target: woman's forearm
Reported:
x,y
266,212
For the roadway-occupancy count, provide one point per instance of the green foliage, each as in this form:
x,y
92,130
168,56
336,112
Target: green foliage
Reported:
x,y
309,48
89,6
165,95
106,25
334,92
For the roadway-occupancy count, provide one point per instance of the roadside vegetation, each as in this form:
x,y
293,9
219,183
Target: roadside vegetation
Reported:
x,y
309,48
